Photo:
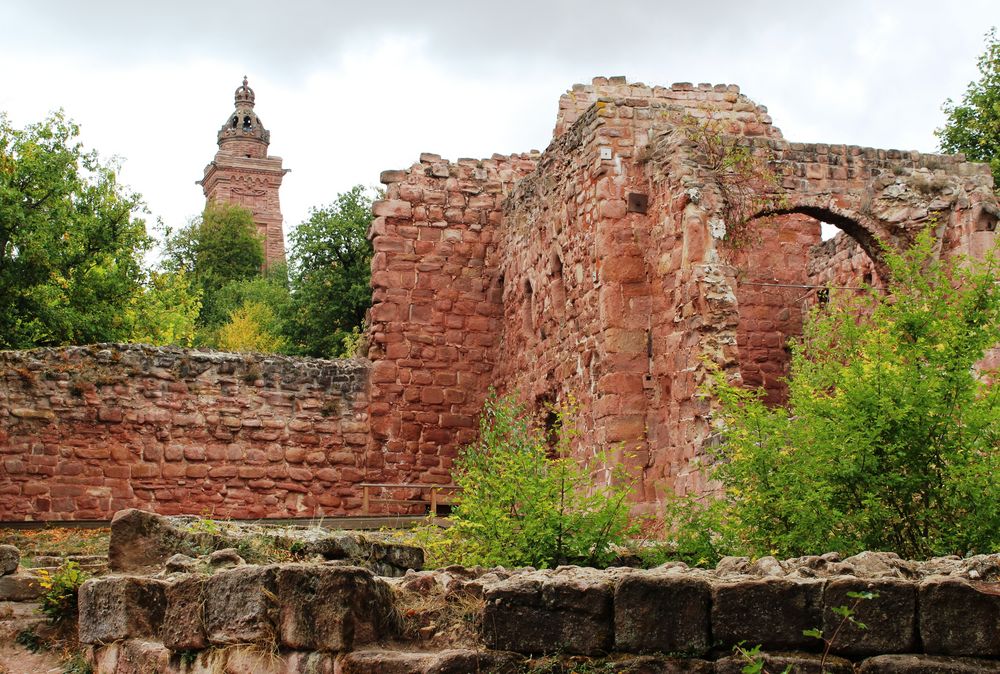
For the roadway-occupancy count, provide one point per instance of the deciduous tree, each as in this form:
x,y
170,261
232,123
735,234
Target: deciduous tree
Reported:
x,y
71,245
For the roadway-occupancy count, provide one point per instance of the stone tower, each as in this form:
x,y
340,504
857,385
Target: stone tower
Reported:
x,y
243,173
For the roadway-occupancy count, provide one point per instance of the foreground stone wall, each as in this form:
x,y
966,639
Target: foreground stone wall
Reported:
x,y
87,431
939,616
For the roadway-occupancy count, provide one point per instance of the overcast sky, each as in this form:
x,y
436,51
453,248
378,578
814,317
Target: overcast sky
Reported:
x,y
348,89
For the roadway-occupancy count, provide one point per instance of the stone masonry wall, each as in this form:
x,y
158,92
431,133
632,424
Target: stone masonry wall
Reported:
x,y
87,431
436,309
938,616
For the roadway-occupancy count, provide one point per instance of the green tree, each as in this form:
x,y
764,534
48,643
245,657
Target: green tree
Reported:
x,y
526,500
70,244
269,288
973,127
330,275
891,437
167,311
217,248
252,327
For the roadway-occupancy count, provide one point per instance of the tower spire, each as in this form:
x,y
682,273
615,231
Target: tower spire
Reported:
x,y
243,173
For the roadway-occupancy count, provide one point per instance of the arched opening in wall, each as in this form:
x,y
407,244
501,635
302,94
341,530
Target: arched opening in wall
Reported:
x,y
793,266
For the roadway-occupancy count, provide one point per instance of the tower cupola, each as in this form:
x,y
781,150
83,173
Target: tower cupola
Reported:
x,y
244,125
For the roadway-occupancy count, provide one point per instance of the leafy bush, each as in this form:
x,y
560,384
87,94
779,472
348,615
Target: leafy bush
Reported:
x,y
890,437
59,600
525,501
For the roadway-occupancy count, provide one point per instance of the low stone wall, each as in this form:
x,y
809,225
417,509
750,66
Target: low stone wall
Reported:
x,y
939,616
87,431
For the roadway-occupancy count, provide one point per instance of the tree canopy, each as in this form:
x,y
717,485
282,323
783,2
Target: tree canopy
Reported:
x,y
973,126
71,245
329,276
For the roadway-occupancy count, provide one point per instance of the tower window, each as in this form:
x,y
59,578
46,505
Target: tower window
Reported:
x,y
236,120
246,123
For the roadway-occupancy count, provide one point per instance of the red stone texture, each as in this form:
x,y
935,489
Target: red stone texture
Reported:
x,y
87,431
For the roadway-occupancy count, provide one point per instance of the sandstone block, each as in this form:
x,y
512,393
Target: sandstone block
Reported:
x,y
926,664
392,208
133,657
10,557
800,663
663,613
545,612
142,540
957,617
183,619
328,608
241,606
385,662
890,618
771,612
19,587
117,608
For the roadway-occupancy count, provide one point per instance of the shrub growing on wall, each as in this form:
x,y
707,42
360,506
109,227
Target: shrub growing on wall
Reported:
x,y
891,437
526,501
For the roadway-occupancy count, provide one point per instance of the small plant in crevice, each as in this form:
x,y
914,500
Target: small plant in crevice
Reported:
x,y
59,599
77,664
754,660
741,169
30,640
846,614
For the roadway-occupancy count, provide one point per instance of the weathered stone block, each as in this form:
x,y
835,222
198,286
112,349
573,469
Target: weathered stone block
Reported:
x,y
133,657
890,618
545,612
184,620
10,557
241,606
771,612
663,613
461,661
385,662
957,617
800,663
328,608
19,587
142,540
117,608
926,664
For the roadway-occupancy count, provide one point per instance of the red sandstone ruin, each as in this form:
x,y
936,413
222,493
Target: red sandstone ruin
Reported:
x,y
597,268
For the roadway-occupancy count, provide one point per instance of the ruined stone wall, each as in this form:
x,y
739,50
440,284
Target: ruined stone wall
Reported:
x,y
772,298
87,431
436,311
938,616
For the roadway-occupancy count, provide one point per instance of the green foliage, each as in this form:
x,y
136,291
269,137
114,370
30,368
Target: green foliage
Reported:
x,y
524,502
330,272
59,599
890,437
77,664
846,614
253,327
70,248
167,310
220,247
973,127
30,640
754,660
